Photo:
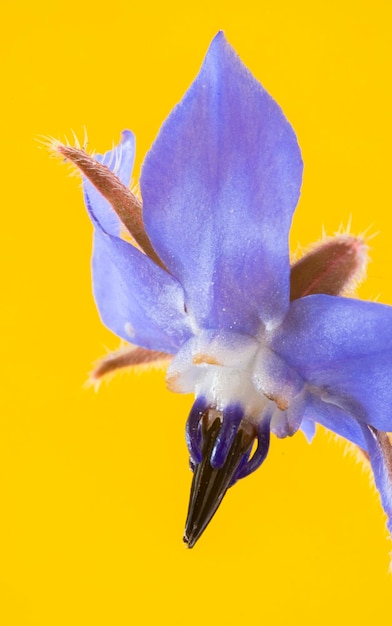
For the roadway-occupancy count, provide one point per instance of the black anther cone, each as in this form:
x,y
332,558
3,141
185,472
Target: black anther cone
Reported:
x,y
209,485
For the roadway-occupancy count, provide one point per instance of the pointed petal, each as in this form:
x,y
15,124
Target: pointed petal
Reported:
x,y
120,160
332,417
380,454
136,299
219,188
308,428
342,347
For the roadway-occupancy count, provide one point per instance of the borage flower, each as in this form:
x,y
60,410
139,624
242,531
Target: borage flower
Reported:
x,y
200,271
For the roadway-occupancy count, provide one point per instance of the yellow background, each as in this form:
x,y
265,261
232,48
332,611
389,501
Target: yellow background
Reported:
x,y
94,487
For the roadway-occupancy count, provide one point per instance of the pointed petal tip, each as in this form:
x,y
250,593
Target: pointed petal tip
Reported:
x,y
219,40
220,44
220,52
225,121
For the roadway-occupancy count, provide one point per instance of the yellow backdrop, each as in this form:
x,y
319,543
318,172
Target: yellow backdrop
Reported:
x,y
94,487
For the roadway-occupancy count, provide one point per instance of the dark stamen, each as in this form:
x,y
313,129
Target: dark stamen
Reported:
x,y
209,485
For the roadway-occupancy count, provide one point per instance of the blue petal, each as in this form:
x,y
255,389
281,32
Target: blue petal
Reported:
x,y
332,417
136,299
120,160
219,188
308,428
382,469
342,348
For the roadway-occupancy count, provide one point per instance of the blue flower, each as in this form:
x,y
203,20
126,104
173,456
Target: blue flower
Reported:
x,y
206,279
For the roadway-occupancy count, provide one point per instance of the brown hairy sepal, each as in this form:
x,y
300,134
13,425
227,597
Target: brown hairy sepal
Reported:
x,y
124,358
334,266
125,204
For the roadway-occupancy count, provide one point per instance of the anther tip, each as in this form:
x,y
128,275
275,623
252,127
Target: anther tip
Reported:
x,y
189,542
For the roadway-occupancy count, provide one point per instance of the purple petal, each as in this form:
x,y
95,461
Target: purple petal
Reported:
x,y
382,469
259,455
308,428
232,417
136,299
219,188
343,348
193,429
119,160
332,417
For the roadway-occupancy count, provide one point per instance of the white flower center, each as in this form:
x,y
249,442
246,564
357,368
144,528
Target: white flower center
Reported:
x,y
228,368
